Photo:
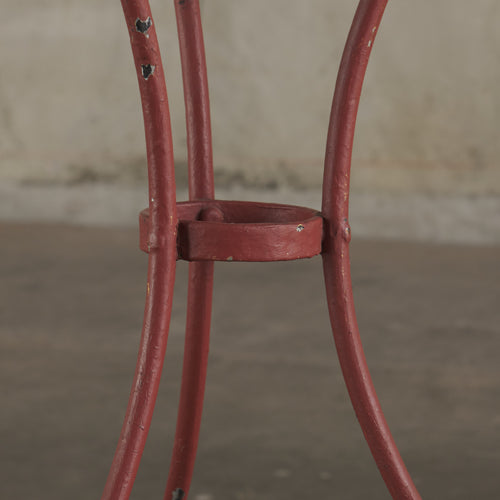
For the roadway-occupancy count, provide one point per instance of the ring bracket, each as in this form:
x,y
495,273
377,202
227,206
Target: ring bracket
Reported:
x,y
216,230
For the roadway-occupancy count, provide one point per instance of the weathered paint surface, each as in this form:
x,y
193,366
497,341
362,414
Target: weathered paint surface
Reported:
x,y
204,230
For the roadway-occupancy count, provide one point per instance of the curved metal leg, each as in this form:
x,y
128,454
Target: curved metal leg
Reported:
x,y
336,262
162,251
199,307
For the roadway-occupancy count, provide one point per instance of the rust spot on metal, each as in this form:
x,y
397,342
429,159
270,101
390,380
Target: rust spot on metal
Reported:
x,y
147,70
143,26
178,494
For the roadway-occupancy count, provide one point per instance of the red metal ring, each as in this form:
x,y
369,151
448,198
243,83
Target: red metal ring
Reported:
x,y
215,230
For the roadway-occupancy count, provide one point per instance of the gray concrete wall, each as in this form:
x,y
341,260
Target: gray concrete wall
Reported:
x,y
428,123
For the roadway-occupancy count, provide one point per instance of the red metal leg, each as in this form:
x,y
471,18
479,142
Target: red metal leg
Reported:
x,y
196,99
162,251
193,380
336,262
199,306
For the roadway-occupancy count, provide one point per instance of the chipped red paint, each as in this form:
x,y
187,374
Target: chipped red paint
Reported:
x,y
204,230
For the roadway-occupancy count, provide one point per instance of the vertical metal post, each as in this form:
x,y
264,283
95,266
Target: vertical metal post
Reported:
x,y
200,286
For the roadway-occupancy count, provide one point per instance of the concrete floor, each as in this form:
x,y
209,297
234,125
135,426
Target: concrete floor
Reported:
x,y
278,424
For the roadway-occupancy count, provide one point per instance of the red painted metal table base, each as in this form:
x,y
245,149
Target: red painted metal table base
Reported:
x,y
203,230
